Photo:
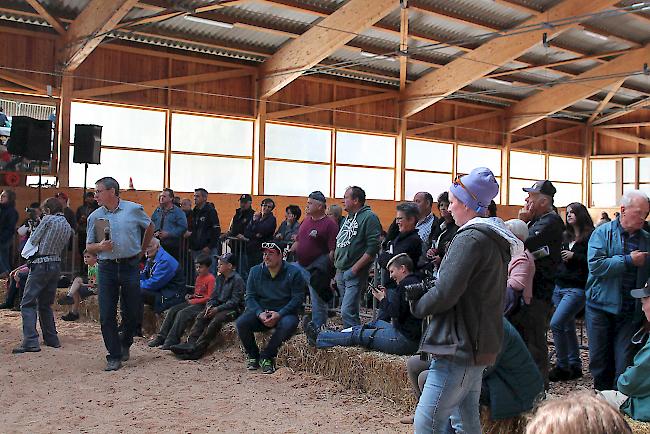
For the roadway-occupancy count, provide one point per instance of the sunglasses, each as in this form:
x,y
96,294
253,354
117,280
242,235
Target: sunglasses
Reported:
x,y
272,246
457,182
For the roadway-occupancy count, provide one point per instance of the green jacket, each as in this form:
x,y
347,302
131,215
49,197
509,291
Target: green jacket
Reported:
x,y
359,234
635,383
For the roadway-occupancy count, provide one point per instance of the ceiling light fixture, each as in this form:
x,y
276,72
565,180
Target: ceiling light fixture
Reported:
x,y
208,22
596,35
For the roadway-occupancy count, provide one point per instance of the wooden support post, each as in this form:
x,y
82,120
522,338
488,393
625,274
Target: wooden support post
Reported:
x,y
259,146
63,119
400,144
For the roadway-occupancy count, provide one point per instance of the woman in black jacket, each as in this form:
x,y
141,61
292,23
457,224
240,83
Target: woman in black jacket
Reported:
x,y
569,293
407,240
8,220
442,232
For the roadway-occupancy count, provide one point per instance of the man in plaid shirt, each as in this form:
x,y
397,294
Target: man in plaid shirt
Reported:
x,y
50,238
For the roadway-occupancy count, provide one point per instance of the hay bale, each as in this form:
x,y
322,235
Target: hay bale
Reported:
x,y
515,425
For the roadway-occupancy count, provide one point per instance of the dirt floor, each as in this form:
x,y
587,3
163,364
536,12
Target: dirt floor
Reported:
x,y
66,390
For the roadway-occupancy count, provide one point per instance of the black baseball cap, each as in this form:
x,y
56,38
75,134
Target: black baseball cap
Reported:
x,y
228,258
318,195
544,187
245,198
641,292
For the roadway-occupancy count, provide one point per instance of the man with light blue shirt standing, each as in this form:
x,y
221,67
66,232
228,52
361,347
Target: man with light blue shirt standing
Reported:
x,y
115,235
170,223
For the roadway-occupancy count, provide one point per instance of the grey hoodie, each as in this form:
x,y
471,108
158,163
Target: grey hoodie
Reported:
x,y
466,301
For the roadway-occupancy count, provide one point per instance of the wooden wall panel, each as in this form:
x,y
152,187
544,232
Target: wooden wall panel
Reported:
x,y
438,113
25,52
305,93
378,116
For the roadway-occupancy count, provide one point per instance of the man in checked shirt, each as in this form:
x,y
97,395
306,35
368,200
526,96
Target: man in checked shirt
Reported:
x,y
50,237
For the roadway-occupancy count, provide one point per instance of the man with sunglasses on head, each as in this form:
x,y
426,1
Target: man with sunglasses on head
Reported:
x,y
464,307
274,295
544,242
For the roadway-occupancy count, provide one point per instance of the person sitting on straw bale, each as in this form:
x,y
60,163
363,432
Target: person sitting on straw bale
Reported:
x,y
577,413
225,305
633,394
81,288
274,295
398,332
180,316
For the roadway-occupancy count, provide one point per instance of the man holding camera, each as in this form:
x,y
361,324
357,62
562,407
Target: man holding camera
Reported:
x,y
464,305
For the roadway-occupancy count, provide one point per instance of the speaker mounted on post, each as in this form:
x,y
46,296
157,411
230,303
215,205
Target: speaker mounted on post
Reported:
x,y
30,138
87,144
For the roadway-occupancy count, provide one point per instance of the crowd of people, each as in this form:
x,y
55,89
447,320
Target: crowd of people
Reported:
x,y
469,297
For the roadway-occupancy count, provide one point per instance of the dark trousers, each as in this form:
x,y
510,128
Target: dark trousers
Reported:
x,y
611,349
5,257
39,295
177,319
118,282
206,329
14,293
532,322
248,323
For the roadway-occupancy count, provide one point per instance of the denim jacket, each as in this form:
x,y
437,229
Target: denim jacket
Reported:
x,y
175,221
606,260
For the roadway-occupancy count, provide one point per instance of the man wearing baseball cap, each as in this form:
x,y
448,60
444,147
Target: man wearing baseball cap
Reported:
x,y
544,241
633,394
274,295
464,305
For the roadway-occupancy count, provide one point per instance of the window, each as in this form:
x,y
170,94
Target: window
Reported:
x,y
603,183
228,143
374,158
434,183
566,175
212,135
295,179
470,157
215,174
429,167
123,127
298,143
525,169
365,149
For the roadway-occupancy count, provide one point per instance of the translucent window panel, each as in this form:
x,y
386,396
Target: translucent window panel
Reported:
x,y
516,196
298,143
433,156
644,169
629,170
121,126
526,165
212,135
567,193
628,187
295,179
145,168
470,157
497,199
564,169
434,183
645,188
365,149
377,183
603,171
603,195
215,174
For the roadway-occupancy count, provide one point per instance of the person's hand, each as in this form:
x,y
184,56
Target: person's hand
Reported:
x,y
206,250
379,293
257,216
293,237
106,245
188,297
264,316
525,215
638,258
566,255
210,312
278,236
431,253
436,260
272,319
187,234
240,237
163,234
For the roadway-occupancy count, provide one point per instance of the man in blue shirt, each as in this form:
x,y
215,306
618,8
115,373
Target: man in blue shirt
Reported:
x,y
115,236
170,223
162,281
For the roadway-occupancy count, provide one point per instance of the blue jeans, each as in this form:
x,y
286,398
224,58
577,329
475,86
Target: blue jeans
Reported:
x,y
610,348
118,282
318,305
351,288
377,335
451,392
248,323
39,295
568,303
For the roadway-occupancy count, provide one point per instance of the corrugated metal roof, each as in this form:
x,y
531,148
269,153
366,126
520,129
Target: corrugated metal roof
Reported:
x,y
628,26
277,11
482,11
587,42
441,29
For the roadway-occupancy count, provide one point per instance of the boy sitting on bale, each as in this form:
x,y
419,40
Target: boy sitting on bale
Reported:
x,y
398,332
81,288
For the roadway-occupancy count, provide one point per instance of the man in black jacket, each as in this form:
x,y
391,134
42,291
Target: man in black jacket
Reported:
x,y
204,237
544,241
225,304
243,216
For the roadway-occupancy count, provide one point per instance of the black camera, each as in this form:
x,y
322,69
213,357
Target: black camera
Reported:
x,y
30,210
415,291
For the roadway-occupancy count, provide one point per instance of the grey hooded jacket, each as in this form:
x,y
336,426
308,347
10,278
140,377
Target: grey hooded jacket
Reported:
x,y
466,302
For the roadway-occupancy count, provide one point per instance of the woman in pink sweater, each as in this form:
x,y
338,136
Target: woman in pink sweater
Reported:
x,y
521,270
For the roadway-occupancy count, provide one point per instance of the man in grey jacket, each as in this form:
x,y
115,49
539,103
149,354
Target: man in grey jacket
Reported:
x,y
464,305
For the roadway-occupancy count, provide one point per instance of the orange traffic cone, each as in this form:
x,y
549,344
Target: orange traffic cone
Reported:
x,y
131,183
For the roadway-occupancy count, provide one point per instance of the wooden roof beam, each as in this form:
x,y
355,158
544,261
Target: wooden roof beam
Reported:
x,y
624,136
532,140
292,59
89,29
626,125
51,19
601,106
297,111
464,70
625,110
456,122
552,100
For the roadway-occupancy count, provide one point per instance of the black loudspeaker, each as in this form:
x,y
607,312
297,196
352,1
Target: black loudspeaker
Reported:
x,y
30,138
87,143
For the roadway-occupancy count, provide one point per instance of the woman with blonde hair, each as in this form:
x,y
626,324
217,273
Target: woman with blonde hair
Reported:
x,y
578,413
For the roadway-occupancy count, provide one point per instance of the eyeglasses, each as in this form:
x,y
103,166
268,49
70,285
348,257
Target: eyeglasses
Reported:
x,y
457,181
97,191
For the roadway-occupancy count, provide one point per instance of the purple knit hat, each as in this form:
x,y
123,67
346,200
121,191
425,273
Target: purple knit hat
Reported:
x,y
476,190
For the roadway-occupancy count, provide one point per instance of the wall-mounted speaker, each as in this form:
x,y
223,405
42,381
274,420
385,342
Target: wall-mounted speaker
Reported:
x,y
87,144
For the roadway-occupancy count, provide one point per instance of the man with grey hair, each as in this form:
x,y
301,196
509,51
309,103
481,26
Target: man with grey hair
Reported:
x,y
617,258
426,219
314,245
115,236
